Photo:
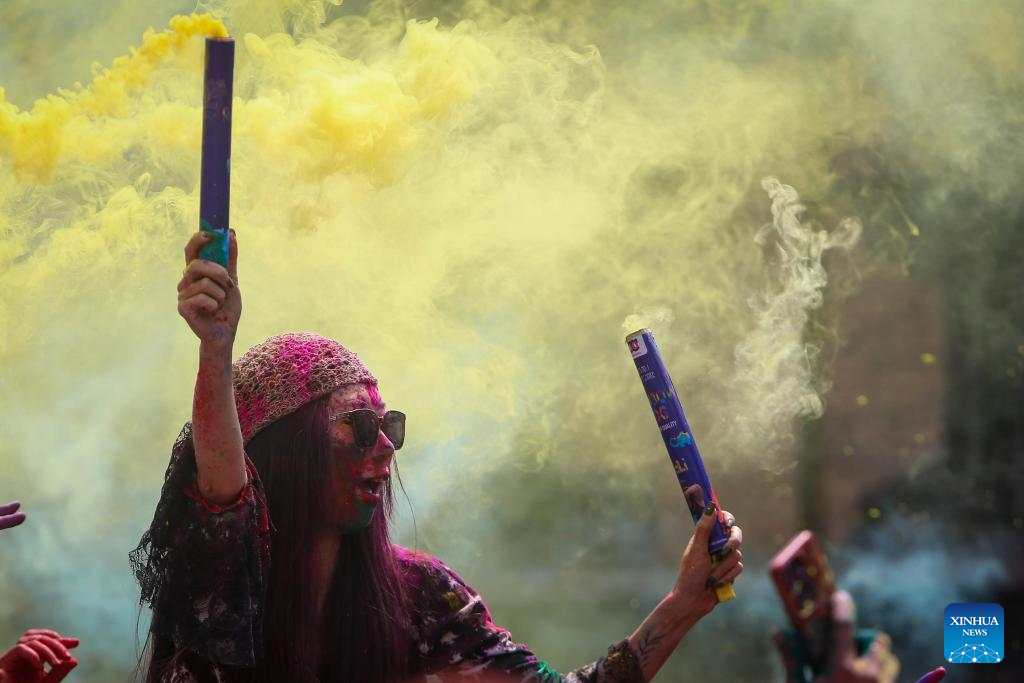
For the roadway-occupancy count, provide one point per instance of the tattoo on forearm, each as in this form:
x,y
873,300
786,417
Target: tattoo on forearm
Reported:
x,y
647,644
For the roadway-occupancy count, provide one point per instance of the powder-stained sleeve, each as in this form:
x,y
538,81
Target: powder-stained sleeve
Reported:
x,y
458,641
202,567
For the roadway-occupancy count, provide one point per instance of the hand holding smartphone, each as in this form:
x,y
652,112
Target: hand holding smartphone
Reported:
x,y
805,585
824,645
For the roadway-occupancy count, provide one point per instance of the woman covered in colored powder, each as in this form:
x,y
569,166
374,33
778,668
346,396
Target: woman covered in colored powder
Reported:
x,y
269,556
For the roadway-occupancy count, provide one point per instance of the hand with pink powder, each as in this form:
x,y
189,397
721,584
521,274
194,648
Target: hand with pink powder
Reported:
x,y
38,649
211,304
208,296
9,515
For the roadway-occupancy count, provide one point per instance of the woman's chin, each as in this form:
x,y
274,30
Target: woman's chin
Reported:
x,y
359,521
366,497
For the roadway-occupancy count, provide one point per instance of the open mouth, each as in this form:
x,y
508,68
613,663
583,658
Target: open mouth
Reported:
x,y
371,488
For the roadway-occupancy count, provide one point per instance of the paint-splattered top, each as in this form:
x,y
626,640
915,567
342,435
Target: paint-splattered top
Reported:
x,y
202,569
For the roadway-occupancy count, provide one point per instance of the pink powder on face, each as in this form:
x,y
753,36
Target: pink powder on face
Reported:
x,y
343,401
344,488
358,400
350,513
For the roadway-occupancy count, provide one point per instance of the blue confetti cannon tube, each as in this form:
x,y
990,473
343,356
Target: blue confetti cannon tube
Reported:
x,y
215,179
682,449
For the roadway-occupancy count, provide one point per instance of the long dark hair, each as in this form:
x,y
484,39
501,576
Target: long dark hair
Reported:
x,y
361,636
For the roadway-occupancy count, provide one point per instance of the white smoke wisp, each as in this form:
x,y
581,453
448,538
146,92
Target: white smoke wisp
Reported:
x,y
659,317
776,377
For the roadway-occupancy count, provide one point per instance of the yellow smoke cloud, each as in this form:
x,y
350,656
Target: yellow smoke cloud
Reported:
x,y
474,203
33,141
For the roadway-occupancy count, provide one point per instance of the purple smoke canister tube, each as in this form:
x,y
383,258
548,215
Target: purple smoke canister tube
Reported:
x,y
682,449
215,178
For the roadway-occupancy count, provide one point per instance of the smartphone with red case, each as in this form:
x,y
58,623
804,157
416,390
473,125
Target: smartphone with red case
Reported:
x,y
805,584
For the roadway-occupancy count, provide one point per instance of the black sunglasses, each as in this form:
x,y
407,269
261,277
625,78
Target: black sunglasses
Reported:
x,y
366,423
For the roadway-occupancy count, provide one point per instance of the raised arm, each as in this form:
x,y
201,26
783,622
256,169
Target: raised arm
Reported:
x,y
691,598
460,642
211,304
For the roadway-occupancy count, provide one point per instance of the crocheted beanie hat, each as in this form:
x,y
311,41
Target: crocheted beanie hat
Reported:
x,y
284,373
